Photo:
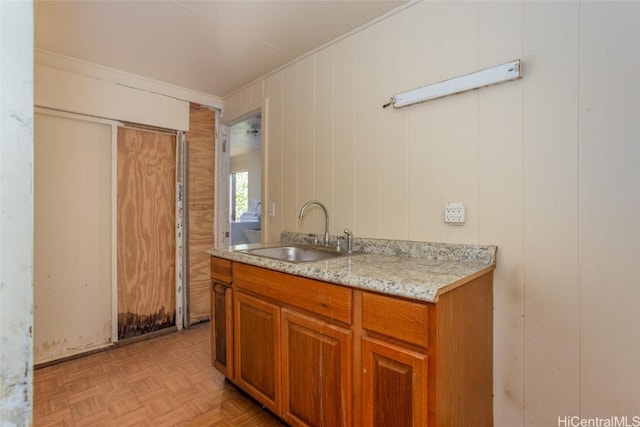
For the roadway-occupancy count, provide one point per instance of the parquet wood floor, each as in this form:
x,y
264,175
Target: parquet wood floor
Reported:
x,y
163,381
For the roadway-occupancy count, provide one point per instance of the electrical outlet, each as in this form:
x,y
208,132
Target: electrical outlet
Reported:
x,y
454,213
271,211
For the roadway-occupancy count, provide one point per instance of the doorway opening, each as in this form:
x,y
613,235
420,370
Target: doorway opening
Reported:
x,y
239,194
245,180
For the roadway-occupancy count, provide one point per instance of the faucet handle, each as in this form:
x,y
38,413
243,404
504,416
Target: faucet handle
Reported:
x,y
349,234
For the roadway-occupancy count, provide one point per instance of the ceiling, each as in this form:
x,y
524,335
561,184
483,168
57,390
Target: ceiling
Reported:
x,y
210,46
245,136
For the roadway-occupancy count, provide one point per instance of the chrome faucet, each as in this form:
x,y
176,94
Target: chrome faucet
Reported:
x,y
326,217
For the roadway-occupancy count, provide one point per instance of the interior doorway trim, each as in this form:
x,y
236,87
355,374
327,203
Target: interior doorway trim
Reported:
x,y
222,184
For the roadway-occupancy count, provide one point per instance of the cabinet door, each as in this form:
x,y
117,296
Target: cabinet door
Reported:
x,y
257,349
394,385
317,371
222,329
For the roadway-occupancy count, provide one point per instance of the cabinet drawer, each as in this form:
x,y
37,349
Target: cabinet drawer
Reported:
x,y
396,318
221,270
324,299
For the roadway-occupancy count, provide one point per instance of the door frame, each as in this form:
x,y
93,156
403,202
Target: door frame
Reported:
x,y
221,186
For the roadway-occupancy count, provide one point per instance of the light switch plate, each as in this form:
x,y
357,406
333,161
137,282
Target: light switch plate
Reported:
x,y
271,211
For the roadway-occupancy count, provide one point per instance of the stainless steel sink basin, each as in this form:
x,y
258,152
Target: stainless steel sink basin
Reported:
x,y
294,253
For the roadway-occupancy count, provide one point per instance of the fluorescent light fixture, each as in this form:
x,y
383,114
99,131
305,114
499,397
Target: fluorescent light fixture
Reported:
x,y
490,76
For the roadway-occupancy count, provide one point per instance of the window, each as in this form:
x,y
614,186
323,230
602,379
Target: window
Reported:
x,y
239,194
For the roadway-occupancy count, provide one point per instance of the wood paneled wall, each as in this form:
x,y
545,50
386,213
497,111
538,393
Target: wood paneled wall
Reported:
x,y
200,157
146,236
547,167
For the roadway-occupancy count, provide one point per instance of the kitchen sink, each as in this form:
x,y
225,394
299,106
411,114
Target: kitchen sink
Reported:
x,y
294,254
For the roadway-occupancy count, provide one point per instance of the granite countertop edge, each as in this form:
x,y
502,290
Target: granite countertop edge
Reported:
x,y
415,270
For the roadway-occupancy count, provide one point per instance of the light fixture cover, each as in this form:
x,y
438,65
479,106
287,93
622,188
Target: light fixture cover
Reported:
x,y
488,77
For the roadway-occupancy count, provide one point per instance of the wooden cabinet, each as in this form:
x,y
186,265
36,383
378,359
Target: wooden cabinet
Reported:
x,y
394,385
222,328
322,299
318,354
292,347
394,317
429,364
394,361
461,356
316,371
257,349
221,316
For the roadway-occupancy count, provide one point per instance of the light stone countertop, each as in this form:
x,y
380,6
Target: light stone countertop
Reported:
x,y
416,270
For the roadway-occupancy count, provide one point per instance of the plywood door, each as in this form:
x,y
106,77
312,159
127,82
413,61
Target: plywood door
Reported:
x,y
200,160
146,236
72,237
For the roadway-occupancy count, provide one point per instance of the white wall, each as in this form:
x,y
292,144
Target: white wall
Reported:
x,y
71,85
65,91
57,61
243,101
73,225
609,238
16,213
548,168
